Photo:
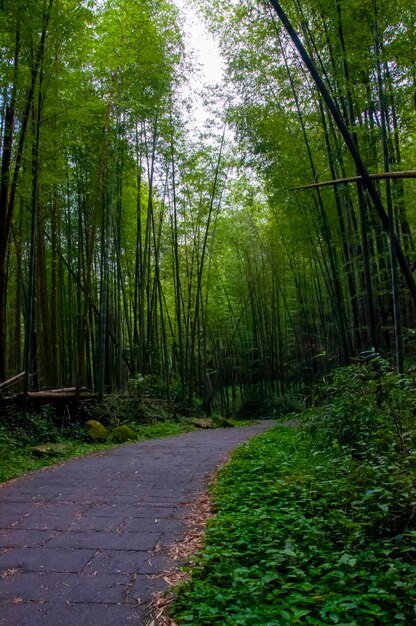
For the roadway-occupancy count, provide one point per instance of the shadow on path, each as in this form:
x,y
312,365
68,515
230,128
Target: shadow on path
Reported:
x,y
79,542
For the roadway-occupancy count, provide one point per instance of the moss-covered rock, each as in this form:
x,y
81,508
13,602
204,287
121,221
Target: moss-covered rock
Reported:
x,y
96,430
48,449
203,422
124,433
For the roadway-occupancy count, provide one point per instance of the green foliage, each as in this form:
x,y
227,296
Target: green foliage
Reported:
x,y
23,450
368,409
282,405
115,408
30,428
272,407
142,405
304,536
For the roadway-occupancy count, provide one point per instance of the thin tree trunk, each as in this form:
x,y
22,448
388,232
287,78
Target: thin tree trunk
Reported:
x,y
392,236
7,191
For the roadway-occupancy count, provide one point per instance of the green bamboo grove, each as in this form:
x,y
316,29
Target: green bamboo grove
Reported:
x,y
132,245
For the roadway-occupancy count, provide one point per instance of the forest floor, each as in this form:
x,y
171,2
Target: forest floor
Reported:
x,y
88,541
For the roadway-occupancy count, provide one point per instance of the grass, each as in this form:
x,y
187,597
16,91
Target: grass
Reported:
x,y
16,461
304,535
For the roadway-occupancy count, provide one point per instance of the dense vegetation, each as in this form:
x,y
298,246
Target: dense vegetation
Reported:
x,y
317,525
228,269
119,252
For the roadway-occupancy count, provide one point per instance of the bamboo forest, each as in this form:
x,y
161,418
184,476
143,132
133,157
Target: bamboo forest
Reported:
x,y
222,261
208,232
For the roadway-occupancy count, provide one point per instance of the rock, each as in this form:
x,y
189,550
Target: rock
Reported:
x,y
202,422
96,430
124,433
49,449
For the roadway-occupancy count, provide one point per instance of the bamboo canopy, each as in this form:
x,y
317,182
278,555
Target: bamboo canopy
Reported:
x,y
352,148
357,179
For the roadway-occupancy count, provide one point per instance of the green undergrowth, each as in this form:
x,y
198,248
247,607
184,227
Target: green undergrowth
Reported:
x,y
16,460
306,535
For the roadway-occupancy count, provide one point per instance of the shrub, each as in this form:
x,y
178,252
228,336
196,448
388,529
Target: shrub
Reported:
x,y
275,406
367,408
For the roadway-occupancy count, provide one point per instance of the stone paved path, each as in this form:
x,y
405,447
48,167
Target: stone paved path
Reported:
x,y
76,540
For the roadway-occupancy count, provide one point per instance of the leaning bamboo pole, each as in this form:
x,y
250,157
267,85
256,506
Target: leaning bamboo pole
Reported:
x,y
12,380
357,179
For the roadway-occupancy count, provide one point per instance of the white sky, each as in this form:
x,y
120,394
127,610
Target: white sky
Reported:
x,y
201,40
207,55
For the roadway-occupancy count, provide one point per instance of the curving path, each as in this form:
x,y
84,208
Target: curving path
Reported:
x,y
77,541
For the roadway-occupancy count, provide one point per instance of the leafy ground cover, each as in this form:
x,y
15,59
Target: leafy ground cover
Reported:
x,y
315,526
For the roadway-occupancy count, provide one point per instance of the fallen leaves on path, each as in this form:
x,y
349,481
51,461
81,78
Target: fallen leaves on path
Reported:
x,y
181,552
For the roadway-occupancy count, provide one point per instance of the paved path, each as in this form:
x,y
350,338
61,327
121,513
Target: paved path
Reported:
x,y
76,540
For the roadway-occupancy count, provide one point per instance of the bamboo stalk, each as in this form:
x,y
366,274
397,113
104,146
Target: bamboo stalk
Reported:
x,y
357,179
12,380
